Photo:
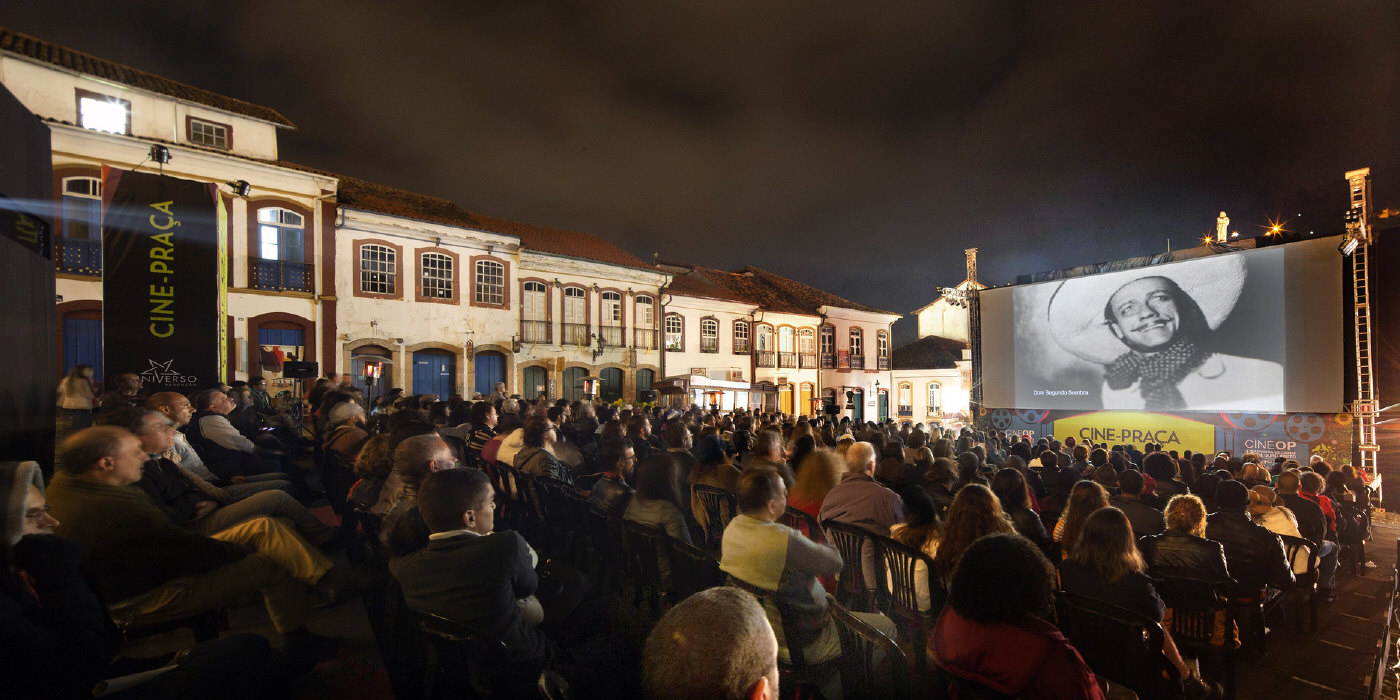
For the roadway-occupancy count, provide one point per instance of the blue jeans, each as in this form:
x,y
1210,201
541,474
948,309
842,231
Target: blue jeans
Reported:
x,y
1327,570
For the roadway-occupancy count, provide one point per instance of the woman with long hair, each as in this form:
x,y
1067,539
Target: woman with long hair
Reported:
x,y
801,447
712,468
1011,488
817,475
657,502
975,512
920,532
1107,566
537,458
1085,498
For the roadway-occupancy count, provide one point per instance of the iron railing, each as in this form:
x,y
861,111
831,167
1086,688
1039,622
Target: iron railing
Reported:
x,y
80,256
536,331
646,338
613,336
574,333
807,361
857,361
882,363
828,361
280,275
787,360
766,358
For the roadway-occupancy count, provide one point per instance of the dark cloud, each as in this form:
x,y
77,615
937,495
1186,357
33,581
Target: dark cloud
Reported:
x,y
856,146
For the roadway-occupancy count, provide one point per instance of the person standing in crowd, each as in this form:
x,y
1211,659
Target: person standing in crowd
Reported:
x,y
76,400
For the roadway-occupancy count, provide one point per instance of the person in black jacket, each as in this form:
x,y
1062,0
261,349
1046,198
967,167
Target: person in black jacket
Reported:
x,y
1312,524
1183,547
610,491
1010,487
1255,556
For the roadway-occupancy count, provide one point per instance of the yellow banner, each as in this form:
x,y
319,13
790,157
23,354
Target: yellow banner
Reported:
x,y
1138,428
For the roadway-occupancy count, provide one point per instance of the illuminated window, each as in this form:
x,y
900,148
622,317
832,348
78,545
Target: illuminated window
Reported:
x,y
906,393
935,398
806,341
103,113
612,309
490,282
675,332
377,269
280,235
82,208
741,337
437,276
207,133
857,342
765,338
534,307
882,344
574,299
785,339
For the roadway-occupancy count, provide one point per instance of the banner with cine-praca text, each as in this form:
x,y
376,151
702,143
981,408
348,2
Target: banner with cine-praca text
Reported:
x,y
163,280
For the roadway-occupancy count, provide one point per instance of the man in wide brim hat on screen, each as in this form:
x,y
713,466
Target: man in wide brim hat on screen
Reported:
x,y
1154,335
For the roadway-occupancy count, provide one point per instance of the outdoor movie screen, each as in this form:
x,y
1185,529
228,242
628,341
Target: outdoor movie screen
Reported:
x,y
1253,331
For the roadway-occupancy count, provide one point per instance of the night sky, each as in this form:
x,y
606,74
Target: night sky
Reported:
x,y
858,147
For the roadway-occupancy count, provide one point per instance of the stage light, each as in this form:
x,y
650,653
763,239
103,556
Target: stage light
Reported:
x,y
160,154
240,187
1349,246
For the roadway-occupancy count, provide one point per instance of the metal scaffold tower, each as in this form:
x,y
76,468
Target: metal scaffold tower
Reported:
x,y
1357,243
974,335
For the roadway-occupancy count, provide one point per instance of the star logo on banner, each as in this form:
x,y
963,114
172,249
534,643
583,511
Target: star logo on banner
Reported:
x,y
157,370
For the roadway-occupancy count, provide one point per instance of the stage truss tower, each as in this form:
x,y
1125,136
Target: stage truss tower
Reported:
x,y
974,334
1359,237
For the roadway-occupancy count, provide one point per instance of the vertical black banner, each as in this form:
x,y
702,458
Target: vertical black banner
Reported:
x,y
162,282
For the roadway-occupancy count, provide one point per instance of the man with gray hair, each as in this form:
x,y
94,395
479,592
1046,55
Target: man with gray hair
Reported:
x,y
861,501
716,644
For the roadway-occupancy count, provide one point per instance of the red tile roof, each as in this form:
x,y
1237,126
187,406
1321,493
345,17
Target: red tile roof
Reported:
x,y
361,194
806,296
762,288
572,244
66,58
697,283
928,352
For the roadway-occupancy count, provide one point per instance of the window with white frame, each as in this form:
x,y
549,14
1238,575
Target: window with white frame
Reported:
x,y
906,394
534,305
82,208
882,344
765,338
857,342
207,133
104,113
785,339
828,335
377,269
281,235
612,309
741,337
935,398
575,309
490,287
646,312
709,335
806,341
437,276
675,332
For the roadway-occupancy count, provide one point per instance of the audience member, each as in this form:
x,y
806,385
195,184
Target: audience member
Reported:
x,y
1254,555
657,502
1312,524
714,645
536,457
611,491
1011,489
1085,498
1145,519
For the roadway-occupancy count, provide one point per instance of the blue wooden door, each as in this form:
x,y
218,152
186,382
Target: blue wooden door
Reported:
x,y
82,344
433,373
490,368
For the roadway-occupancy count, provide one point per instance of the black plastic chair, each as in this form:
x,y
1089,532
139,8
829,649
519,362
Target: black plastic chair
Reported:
x,y
852,542
1304,584
646,546
795,675
902,563
802,522
605,535
947,686
465,663
1195,605
864,672
692,570
720,507
1119,645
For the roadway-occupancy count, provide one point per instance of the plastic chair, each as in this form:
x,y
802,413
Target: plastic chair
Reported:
x,y
720,507
1304,584
852,542
605,533
1195,603
463,661
902,562
795,675
1118,644
864,672
646,546
692,570
802,522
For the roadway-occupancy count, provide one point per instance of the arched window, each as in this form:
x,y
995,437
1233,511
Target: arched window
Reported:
x,y
575,316
857,342
882,344
644,320
378,265
828,336
610,320
675,332
490,287
437,276
741,337
906,399
534,313
281,233
785,339
709,335
81,250
763,345
935,399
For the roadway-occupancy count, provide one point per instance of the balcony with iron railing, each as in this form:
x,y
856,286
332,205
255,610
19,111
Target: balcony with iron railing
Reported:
x,y
857,361
787,360
935,410
882,363
646,338
535,331
741,346
80,256
906,410
828,361
766,358
709,344
280,275
807,361
574,333
613,336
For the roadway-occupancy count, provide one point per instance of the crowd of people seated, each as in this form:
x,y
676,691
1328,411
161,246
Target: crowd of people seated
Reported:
x,y
171,505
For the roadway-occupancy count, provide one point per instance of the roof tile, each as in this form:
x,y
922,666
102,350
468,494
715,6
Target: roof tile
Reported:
x,y
40,50
928,352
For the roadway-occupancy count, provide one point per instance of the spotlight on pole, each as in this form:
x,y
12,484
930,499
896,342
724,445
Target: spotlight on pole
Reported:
x,y
240,187
1349,246
160,154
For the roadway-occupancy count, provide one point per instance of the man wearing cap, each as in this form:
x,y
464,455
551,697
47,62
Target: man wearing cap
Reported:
x,y
1254,555
1155,338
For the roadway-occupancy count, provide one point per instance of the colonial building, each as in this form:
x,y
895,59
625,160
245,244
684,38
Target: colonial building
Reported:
x,y
933,375
707,337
